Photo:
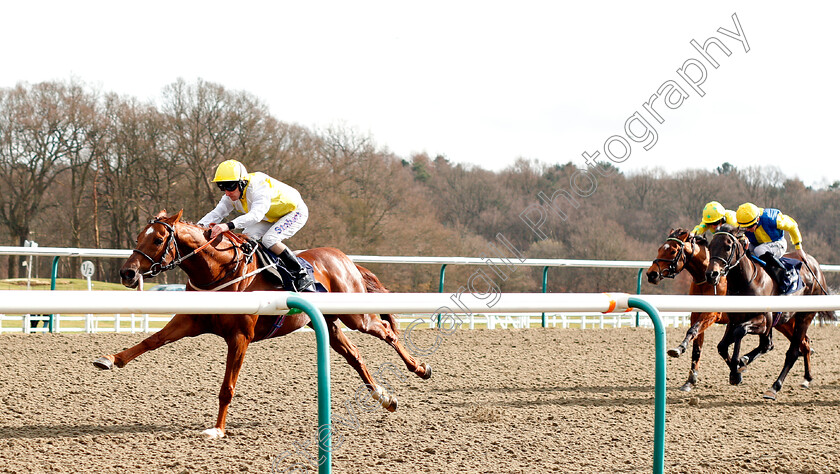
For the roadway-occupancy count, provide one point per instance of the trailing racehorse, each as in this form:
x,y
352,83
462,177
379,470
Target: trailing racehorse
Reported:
x,y
729,258
681,252
223,264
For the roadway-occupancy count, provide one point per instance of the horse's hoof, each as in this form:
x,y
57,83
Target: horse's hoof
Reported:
x,y
770,394
687,387
805,384
213,433
103,363
427,371
391,405
676,352
735,379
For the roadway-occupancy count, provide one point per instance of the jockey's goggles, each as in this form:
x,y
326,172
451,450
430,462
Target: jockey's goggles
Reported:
x,y
227,185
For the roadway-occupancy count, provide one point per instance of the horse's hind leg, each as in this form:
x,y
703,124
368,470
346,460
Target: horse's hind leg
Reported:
x,y
387,330
181,325
342,345
237,345
793,353
765,345
804,348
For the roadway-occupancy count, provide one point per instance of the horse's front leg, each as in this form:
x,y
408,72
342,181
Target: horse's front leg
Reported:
x,y
693,374
738,334
725,342
237,345
690,335
701,322
765,345
181,325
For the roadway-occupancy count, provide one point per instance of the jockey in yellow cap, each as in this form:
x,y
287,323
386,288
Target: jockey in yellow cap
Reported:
x,y
271,211
714,214
765,228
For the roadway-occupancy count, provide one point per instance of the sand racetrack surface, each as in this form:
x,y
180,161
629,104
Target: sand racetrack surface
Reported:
x,y
524,401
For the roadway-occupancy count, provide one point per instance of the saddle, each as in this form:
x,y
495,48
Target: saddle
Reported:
x,y
274,270
788,278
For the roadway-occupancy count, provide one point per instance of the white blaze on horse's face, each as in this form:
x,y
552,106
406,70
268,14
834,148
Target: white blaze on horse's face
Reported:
x,y
149,230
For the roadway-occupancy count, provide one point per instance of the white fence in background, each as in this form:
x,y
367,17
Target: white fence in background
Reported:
x,y
134,323
143,322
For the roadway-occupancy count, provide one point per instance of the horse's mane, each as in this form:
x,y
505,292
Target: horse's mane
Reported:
x,y
676,233
697,238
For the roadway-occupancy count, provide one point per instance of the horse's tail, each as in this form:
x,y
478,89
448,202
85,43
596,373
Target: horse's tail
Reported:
x,y
824,316
373,285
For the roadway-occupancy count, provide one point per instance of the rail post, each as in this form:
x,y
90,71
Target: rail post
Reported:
x,y
52,285
545,289
440,287
638,291
660,382
323,350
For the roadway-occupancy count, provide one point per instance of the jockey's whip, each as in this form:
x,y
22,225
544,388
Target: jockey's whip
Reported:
x,y
805,261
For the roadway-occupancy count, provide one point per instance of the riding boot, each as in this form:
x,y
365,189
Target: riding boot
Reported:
x,y
774,268
300,278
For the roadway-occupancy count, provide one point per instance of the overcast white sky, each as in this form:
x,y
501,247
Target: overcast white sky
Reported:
x,y
481,83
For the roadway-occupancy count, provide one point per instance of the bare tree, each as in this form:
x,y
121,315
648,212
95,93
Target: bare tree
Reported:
x,y
33,152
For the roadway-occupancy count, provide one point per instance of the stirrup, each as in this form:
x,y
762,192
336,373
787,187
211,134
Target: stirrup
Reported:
x,y
302,281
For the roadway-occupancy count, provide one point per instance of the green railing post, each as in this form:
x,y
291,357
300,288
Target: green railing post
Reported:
x,y
545,289
659,390
323,342
52,284
638,291
440,287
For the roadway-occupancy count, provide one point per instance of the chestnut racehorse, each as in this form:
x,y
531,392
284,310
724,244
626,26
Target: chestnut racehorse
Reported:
x,y
167,242
683,252
728,254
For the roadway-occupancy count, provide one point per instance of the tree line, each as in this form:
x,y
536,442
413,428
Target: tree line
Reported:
x,y
86,168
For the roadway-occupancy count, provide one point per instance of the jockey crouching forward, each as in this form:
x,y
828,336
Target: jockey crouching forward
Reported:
x,y
765,228
714,215
272,211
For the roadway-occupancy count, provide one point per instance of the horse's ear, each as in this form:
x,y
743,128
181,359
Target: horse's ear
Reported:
x,y
161,214
178,216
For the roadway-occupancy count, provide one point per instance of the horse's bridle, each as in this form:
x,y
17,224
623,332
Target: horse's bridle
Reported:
x,y
728,264
672,263
159,267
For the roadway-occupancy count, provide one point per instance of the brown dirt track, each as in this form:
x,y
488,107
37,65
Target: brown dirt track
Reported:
x,y
499,401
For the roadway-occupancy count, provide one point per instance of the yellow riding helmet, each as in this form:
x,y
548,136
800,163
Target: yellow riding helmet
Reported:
x,y
713,212
231,170
748,214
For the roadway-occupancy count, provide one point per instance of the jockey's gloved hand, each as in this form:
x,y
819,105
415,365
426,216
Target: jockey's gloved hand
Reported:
x,y
216,230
